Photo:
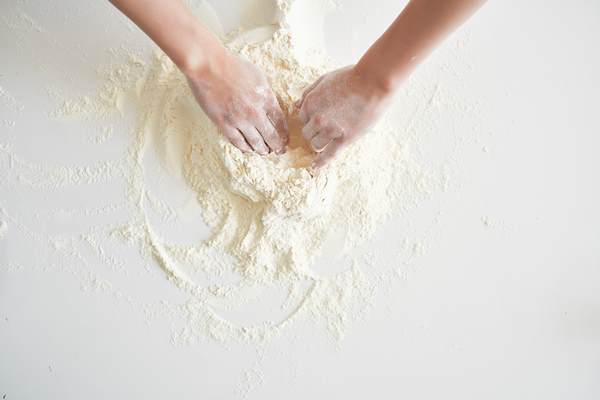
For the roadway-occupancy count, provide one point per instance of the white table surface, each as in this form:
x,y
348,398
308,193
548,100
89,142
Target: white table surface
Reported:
x,y
504,310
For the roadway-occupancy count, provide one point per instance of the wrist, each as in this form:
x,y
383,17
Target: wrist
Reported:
x,y
373,83
381,78
202,53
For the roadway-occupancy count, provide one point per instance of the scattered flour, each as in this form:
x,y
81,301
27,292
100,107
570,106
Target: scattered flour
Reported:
x,y
48,177
494,223
9,102
268,216
262,264
3,229
269,219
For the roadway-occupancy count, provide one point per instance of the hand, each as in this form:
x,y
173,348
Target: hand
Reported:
x,y
236,96
338,108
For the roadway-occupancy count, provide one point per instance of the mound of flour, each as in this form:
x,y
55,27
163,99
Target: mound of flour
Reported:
x,y
269,216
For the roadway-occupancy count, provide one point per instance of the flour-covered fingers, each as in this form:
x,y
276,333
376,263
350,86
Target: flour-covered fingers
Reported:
x,y
324,138
236,138
254,139
329,153
269,134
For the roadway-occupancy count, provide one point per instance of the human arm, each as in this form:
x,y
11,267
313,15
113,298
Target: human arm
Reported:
x,y
342,104
232,92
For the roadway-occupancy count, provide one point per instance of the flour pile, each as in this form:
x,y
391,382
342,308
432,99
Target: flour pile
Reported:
x,y
269,216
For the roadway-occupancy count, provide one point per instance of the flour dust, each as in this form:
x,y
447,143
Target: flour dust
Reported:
x,y
253,245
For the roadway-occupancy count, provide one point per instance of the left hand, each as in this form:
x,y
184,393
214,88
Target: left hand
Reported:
x,y
236,96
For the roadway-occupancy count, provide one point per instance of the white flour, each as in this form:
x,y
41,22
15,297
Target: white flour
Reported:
x,y
3,229
268,216
269,219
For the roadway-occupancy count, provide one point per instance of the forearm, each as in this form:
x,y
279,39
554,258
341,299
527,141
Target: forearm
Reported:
x,y
421,26
172,26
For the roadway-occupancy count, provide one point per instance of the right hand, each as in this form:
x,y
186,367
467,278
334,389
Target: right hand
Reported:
x,y
338,108
236,96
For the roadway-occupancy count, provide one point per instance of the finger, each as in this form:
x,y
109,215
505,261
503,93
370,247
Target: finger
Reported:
x,y
323,138
236,138
298,103
254,139
312,127
269,134
279,122
329,153
277,118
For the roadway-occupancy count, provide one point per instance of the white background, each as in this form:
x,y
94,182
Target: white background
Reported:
x,y
509,310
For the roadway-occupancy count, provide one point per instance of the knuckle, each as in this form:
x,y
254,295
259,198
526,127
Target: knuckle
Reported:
x,y
253,112
249,111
